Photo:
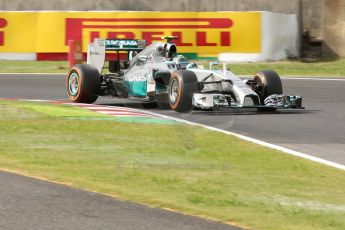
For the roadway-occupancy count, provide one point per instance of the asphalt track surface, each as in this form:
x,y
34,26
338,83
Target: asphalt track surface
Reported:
x,y
27,203
319,130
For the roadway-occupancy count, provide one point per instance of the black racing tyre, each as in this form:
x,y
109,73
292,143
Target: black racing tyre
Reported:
x,y
182,85
83,83
269,83
161,102
149,105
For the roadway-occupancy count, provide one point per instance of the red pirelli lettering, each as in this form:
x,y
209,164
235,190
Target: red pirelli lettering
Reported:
x,y
93,35
151,36
201,40
3,24
179,40
75,26
225,38
112,35
121,35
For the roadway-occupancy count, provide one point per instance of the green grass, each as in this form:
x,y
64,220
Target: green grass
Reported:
x,y
33,67
54,110
291,68
186,168
284,68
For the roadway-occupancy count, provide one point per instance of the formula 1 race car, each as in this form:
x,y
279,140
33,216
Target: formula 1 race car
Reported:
x,y
156,74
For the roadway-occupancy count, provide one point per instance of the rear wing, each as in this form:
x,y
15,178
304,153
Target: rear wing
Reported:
x,y
97,49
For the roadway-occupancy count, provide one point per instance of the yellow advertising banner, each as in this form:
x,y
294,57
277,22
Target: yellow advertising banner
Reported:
x,y
198,32
17,32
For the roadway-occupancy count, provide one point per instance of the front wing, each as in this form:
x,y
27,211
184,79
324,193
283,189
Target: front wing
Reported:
x,y
275,101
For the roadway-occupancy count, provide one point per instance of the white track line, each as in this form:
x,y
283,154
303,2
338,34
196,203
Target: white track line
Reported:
x,y
116,110
259,142
313,79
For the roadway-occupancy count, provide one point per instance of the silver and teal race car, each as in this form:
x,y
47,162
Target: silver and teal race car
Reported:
x,y
156,74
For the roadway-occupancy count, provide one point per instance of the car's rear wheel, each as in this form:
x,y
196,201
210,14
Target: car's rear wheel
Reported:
x,y
268,82
182,85
83,83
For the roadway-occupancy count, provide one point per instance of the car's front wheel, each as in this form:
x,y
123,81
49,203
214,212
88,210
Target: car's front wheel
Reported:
x,y
267,82
83,83
182,85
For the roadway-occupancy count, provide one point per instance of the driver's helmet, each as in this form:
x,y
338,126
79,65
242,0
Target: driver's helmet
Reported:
x,y
192,65
181,61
